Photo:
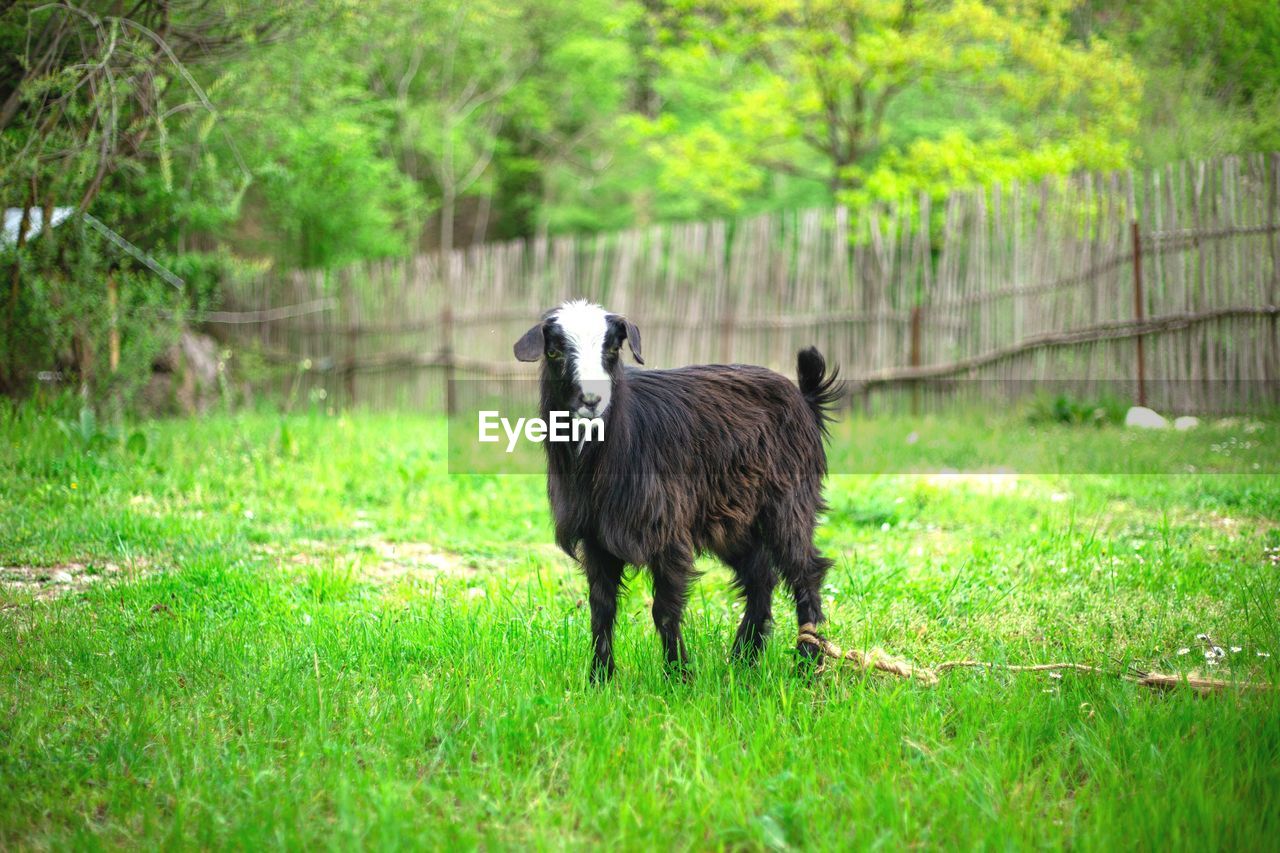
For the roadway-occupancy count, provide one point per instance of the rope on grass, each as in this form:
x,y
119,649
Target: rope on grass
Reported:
x,y
874,659
878,659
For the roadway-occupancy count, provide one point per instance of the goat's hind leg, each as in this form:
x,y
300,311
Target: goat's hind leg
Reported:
x,y
803,569
756,578
604,580
671,576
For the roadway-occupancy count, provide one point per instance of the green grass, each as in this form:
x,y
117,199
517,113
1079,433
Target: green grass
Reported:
x,y
304,631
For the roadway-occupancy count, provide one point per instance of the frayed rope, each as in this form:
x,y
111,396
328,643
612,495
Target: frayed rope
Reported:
x,y
878,659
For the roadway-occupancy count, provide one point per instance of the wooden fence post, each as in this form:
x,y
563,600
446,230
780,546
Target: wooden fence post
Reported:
x,y
446,335
1139,312
113,305
915,357
727,325
349,333
113,345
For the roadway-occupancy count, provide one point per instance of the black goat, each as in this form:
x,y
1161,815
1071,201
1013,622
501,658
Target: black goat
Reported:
x,y
721,458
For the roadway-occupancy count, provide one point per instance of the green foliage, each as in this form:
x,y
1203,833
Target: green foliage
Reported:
x,y
373,130
318,134
63,320
833,93
1069,410
1212,74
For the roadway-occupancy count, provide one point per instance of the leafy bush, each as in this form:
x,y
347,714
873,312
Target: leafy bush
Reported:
x,y
62,322
1066,409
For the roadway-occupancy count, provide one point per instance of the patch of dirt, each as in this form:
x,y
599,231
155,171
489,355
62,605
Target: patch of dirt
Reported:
x,y
416,559
46,583
377,559
997,481
1233,527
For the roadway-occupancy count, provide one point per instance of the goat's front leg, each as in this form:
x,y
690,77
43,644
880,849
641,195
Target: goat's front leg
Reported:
x,y
671,577
604,579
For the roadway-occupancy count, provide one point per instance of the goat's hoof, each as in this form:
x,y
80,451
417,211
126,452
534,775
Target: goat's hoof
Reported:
x,y
809,658
679,672
600,673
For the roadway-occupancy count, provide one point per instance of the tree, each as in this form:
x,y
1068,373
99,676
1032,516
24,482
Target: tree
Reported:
x,y
91,86
863,96
326,188
90,91
1213,73
445,67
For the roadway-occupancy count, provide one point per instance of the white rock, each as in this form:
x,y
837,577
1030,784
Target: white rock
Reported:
x,y
1186,422
62,577
1141,417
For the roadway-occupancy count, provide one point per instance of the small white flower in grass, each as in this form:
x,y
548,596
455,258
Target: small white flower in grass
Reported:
x,y
885,527
1264,654
306,618
475,592
913,437
1055,675
1184,650
248,513
1236,650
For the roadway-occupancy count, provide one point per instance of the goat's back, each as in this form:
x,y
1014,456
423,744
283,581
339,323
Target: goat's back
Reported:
x,y
706,451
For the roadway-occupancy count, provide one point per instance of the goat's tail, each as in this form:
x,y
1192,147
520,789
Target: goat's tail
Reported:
x,y
820,391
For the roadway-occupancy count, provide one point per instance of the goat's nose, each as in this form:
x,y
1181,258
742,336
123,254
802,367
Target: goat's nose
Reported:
x,y
590,399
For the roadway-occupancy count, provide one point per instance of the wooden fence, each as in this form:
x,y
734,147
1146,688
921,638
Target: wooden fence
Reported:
x,y
1164,284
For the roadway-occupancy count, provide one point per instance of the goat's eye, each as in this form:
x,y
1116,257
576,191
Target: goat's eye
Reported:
x,y
553,354
614,350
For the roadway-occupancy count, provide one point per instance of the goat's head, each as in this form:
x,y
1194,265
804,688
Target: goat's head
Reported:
x,y
579,343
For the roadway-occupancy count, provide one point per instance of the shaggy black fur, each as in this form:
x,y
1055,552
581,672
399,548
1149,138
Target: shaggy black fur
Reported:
x,y
721,458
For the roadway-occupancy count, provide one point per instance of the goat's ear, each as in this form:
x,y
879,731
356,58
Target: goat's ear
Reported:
x,y
529,347
633,339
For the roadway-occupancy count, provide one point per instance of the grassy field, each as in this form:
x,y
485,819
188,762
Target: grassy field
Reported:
x,y
248,630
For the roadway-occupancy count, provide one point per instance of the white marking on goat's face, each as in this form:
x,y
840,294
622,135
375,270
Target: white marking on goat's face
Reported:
x,y
585,326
